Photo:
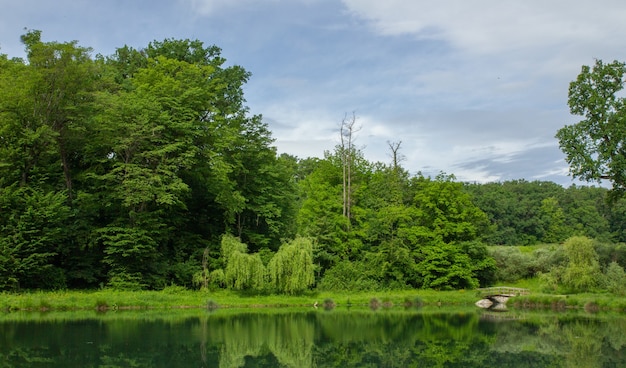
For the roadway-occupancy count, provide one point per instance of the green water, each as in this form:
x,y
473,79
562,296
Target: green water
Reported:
x,y
312,338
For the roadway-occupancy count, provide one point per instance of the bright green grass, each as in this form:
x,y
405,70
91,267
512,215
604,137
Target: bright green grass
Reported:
x,y
181,298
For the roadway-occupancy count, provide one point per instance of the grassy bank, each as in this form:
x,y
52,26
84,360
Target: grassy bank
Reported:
x,y
590,302
181,298
175,297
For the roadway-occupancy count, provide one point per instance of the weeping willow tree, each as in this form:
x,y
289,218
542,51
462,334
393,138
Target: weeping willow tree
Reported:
x,y
243,271
291,268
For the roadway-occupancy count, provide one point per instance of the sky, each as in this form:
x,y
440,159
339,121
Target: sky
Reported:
x,y
477,89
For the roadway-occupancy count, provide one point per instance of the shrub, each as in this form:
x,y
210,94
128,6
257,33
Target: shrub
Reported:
x,y
348,276
545,259
615,279
329,304
211,304
582,272
126,281
511,263
375,304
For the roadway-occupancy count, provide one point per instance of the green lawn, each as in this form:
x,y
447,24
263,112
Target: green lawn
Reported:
x,y
175,297
181,298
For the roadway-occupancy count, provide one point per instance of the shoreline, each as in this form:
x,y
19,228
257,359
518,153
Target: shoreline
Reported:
x,y
180,298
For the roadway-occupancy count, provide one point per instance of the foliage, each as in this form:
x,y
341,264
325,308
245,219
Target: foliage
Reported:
x,y
582,272
511,263
615,279
446,210
348,276
125,170
594,146
32,225
444,266
291,269
243,271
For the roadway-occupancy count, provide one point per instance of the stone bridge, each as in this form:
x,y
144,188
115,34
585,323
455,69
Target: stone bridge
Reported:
x,y
496,297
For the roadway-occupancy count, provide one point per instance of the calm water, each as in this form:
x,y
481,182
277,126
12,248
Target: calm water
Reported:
x,y
312,338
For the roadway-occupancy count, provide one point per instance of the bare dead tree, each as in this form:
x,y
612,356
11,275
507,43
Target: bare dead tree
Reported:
x,y
395,153
347,130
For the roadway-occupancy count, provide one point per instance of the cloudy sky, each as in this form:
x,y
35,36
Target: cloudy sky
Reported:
x,y
474,88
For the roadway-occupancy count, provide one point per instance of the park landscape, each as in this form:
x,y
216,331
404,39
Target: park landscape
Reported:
x,y
139,181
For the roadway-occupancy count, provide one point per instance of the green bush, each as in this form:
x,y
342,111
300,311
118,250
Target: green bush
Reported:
x,y
545,259
125,281
511,263
582,272
348,276
615,279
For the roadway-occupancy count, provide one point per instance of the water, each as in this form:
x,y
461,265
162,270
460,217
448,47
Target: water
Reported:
x,y
312,338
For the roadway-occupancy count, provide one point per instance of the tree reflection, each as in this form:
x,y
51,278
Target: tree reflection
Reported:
x,y
391,338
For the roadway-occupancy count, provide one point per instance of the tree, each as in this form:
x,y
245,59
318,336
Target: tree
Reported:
x,y
62,82
445,210
31,236
243,271
553,220
582,272
291,269
595,147
615,279
347,130
446,266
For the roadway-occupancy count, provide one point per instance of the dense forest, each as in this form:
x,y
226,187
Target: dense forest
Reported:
x,y
145,169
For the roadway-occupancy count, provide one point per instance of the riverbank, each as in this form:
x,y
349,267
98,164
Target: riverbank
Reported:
x,y
180,298
174,297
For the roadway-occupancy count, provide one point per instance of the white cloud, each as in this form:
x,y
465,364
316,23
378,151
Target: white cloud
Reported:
x,y
208,7
211,7
473,88
495,26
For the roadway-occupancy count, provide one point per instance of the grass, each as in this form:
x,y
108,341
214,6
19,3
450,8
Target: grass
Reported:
x,y
181,298
538,299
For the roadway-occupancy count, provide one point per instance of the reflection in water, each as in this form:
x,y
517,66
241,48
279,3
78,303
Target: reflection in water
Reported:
x,y
390,338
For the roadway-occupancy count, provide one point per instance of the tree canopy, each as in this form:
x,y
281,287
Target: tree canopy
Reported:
x,y
144,169
595,147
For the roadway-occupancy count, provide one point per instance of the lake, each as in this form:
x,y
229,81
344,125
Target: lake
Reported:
x,y
395,337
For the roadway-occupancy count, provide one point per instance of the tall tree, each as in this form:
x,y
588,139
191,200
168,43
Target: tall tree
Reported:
x,y
347,131
595,147
46,108
63,80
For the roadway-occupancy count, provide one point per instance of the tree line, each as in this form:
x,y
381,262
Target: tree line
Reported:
x,y
144,169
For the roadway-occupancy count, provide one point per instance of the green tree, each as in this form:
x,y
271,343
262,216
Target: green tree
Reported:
x,y
62,82
514,209
321,210
553,221
243,271
32,236
445,266
586,211
148,133
582,272
46,108
291,269
594,146
615,279
446,210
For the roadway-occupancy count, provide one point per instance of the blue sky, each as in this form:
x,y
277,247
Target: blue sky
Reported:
x,y
475,88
